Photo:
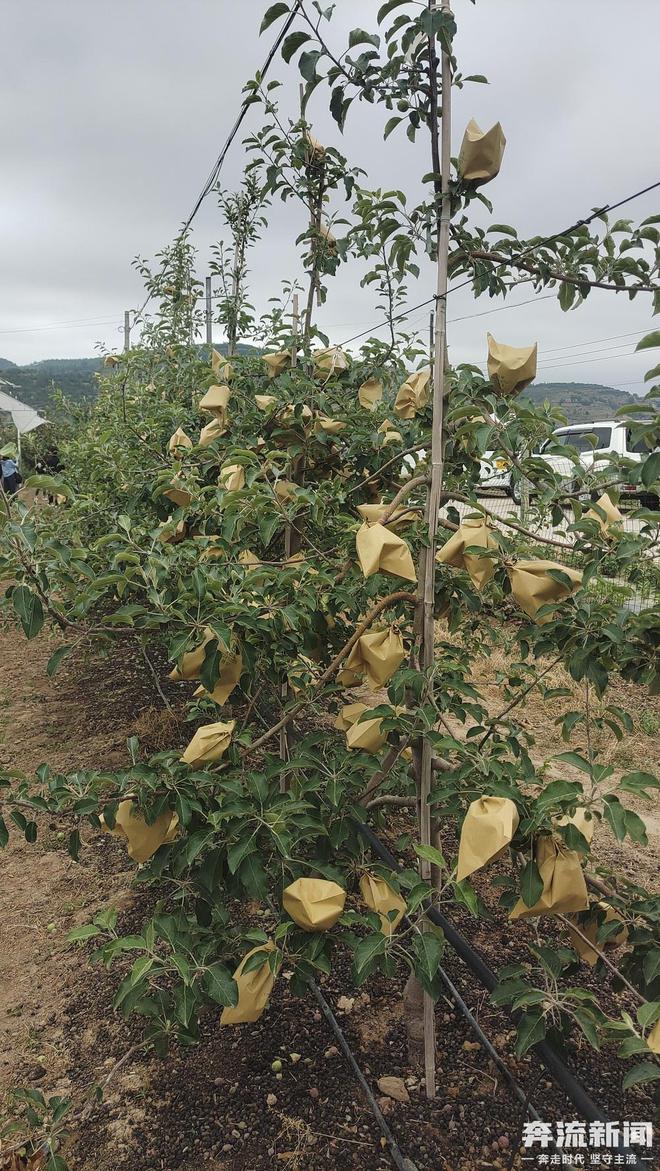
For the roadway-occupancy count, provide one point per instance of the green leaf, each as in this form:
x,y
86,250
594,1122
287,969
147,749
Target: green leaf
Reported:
x,y
391,125
49,484
651,374
646,1072
430,854
615,815
272,14
4,833
531,1030
358,36
292,43
307,64
575,760
649,342
388,7
29,609
651,468
647,1014
428,948
531,884
88,931
220,985
366,953
55,660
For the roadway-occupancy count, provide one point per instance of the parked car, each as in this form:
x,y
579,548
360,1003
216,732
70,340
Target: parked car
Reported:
x,y
595,443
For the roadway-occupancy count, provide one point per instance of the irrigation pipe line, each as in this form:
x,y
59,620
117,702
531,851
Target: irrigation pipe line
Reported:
x,y
478,966
400,1161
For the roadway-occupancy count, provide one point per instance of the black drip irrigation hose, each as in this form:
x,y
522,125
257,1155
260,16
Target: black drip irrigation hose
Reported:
x,y
474,961
400,1161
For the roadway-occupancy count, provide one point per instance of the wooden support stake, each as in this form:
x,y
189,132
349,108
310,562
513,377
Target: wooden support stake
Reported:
x,y
288,544
441,162
127,330
209,314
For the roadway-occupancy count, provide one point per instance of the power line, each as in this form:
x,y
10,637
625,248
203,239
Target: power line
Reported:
x,y
600,211
73,324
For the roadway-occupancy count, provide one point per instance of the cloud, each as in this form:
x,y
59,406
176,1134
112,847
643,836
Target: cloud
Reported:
x,y
119,109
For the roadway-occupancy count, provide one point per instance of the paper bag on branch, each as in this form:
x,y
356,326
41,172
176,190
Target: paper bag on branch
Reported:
x,y
216,401
610,524
178,495
532,587
178,442
265,401
471,532
510,368
142,840
254,989
590,927
348,715
376,654
413,394
314,903
330,361
481,153
249,559
209,743
330,426
391,434
564,888
288,414
584,824
381,898
370,393
486,834
190,664
221,367
277,363
381,551
231,669
302,674
653,1038
285,490
214,549
171,536
315,149
213,430
232,477
400,517
363,737
328,238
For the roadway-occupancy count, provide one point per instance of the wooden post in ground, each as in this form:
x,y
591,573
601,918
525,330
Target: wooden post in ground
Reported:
x,y
127,330
441,162
209,314
288,545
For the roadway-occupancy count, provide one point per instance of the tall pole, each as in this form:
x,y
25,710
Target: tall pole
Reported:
x,y
127,330
441,161
209,314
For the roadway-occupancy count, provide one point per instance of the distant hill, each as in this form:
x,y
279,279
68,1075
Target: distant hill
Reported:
x,y
581,402
33,384
74,376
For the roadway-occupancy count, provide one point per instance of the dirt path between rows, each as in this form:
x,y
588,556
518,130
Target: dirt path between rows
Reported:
x,y
213,1106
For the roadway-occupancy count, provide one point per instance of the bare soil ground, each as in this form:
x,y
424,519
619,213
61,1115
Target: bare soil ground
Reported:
x,y
213,1106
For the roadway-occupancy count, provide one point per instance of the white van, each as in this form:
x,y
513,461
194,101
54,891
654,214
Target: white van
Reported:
x,y
595,443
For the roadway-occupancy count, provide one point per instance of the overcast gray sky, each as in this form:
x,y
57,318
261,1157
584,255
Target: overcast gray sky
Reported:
x,y
115,109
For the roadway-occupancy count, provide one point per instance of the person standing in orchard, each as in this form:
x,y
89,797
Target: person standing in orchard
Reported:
x,y
10,478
